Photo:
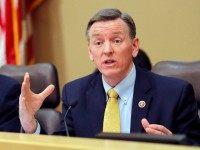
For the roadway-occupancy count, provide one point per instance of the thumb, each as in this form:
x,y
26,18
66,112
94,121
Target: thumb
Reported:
x,y
145,123
47,91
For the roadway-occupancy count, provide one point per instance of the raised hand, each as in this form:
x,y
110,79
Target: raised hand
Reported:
x,y
30,103
155,128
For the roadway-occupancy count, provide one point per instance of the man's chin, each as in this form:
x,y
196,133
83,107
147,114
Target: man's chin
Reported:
x,y
110,73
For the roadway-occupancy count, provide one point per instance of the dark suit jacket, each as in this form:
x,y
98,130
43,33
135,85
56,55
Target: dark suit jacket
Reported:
x,y
9,99
169,102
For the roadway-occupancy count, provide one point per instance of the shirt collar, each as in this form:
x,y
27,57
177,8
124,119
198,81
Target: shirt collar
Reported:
x,y
125,87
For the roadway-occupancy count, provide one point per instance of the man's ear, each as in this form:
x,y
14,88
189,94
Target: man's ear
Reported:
x,y
90,54
135,47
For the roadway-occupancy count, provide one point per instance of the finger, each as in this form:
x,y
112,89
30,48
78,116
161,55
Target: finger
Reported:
x,y
47,91
154,132
145,123
27,80
160,128
26,84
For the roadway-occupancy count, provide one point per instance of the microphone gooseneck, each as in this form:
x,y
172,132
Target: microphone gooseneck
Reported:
x,y
72,105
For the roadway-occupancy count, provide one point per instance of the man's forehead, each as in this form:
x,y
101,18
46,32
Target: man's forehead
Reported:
x,y
115,27
94,34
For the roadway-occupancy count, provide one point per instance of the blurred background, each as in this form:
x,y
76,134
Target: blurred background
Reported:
x,y
167,29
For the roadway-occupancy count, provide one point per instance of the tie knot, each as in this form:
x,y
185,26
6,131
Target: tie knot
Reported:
x,y
112,94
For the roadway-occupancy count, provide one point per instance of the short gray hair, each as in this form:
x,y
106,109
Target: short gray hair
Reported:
x,y
112,14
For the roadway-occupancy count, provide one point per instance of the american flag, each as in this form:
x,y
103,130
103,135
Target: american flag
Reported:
x,y
16,31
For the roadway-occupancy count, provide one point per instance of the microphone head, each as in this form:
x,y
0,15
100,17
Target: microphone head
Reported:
x,y
73,103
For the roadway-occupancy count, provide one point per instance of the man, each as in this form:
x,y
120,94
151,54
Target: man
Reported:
x,y
145,102
9,100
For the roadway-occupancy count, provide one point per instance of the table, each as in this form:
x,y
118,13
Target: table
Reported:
x,y
20,141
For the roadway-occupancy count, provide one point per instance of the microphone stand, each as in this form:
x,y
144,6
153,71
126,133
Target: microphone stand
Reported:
x,y
72,105
65,121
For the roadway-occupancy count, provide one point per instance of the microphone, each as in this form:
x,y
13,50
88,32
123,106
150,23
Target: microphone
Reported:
x,y
71,105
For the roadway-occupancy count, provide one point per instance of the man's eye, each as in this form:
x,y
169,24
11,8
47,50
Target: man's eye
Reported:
x,y
97,43
117,41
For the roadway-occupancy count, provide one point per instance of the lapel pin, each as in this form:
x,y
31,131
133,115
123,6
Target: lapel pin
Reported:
x,y
142,104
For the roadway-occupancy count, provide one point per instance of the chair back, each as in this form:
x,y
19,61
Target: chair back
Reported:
x,y
41,75
49,120
189,71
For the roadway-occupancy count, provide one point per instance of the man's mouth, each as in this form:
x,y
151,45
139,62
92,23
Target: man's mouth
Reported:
x,y
109,61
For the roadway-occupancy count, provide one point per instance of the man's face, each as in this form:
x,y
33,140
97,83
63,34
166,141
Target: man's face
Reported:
x,y
111,48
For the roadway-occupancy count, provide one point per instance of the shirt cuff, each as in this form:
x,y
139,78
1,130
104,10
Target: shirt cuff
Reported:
x,y
38,129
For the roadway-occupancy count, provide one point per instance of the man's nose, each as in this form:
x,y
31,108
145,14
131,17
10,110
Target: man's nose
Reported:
x,y
107,48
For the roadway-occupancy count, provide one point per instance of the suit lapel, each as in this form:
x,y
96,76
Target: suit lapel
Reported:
x,y
96,102
141,100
